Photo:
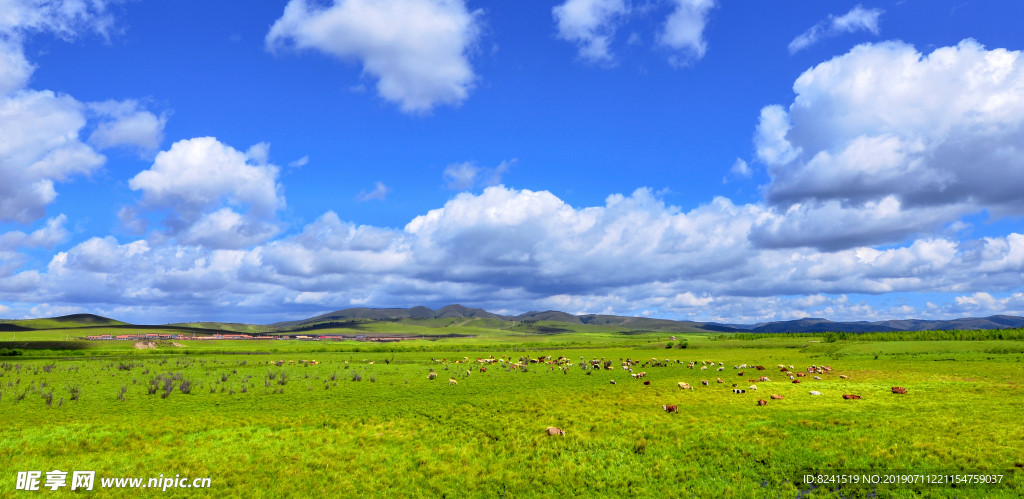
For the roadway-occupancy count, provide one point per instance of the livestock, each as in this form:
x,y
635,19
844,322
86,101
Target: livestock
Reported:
x,y
849,396
796,381
762,402
451,381
776,396
753,387
738,390
704,382
741,373
763,379
801,375
431,375
703,368
815,393
555,431
781,365
759,368
817,378
483,369
611,381
648,383
685,386
843,376
899,390
721,368
670,408
720,380
468,373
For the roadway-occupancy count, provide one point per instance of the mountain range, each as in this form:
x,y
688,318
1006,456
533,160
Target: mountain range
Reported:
x,y
646,324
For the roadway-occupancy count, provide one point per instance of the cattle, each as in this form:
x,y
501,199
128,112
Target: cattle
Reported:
x,y
775,396
483,369
468,372
899,390
796,381
685,386
815,393
451,381
848,396
704,382
647,383
670,408
555,431
703,368
738,390
762,379
753,387
783,370
431,375
843,376
741,373
762,402
759,368
783,366
720,380
611,381
800,375
791,366
817,378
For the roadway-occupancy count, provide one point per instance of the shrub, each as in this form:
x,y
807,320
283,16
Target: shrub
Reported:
x,y
357,377
185,386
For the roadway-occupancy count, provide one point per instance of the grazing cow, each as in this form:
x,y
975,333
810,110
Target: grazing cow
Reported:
x,y
815,393
796,381
783,370
848,396
899,390
721,368
741,373
738,390
451,381
468,373
753,387
647,383
670,408
720,380
762,402
781,365
762,379
817,378
800,375
555,431
704,382
431,375
776,397
703,368
843,376
759,368
611,381
685,386
791,366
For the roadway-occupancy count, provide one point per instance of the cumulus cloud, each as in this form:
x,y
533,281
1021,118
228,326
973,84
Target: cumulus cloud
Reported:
x,y
740,169
857,19
590,24
380,193
684,29
912,141
417,49
39,145
126,123
200,181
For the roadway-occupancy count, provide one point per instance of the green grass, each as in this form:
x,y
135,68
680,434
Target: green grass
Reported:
x,y
403,435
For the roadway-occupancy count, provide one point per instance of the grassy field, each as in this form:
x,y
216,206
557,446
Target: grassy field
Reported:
x,y
395,433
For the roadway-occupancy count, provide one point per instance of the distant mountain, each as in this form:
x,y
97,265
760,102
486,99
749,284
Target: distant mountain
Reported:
x,y
809,325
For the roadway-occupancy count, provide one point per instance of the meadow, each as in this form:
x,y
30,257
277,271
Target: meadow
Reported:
x,y
260,420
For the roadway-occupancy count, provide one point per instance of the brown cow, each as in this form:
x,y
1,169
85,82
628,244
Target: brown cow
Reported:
x,y
843,376
720,380
800,375
704,382
776,397
762,402
648,383
848,396
796,381
899,389
555,431
670,408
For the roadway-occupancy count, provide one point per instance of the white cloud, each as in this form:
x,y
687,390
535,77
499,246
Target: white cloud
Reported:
x,y
197,177
380,193
417,49
684,29
740,169
590,24
47,236
857,19
299,163
912,141
125,123
463,176
39,145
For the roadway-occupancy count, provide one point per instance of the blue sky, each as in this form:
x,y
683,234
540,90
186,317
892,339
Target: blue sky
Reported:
x,y
692,159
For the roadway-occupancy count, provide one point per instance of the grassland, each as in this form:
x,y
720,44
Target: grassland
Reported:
x,y
395,433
